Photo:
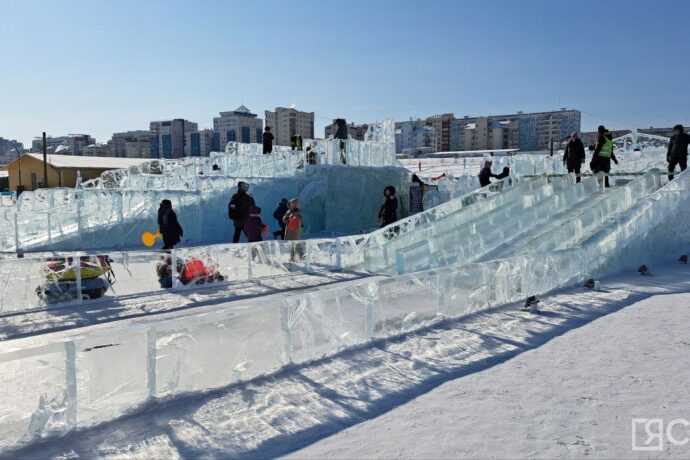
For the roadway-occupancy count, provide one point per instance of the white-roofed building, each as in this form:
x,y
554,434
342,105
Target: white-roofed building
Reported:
x,y
27,171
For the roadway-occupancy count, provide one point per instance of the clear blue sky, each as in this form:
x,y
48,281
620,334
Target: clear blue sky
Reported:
x,y
103,66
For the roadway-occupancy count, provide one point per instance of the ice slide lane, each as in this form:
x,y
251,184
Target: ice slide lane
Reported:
x,y
35,322
573,226
387,400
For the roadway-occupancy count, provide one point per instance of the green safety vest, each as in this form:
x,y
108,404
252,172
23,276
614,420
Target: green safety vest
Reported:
x,y
607,149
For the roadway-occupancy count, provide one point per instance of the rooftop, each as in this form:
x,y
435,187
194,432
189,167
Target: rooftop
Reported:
x,y
72,161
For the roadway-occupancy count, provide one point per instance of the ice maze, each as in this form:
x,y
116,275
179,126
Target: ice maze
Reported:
x,y
525,235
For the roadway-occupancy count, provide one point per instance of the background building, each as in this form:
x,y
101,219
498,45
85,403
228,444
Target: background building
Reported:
x,y
131,144
199,143
27,171
666,132
240,125
523,131
285,123
414,135
166,138
7,150
356,132
72,144
441,125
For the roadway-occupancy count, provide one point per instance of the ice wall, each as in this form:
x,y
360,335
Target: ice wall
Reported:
x,y
333,198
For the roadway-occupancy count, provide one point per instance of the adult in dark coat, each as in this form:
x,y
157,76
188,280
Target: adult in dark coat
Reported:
x,y
278,215
389,209
485,174
238,209
268,140
168,226
678,150
574,155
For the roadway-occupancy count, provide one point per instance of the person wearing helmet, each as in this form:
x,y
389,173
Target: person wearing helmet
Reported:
x,y
389,209
238,209
677,150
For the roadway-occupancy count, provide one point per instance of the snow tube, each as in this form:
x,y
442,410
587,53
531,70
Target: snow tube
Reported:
x,y
64,269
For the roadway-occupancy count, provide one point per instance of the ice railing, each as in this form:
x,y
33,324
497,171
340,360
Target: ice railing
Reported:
x,y
570,213
379,255
24,279
62,279
55,383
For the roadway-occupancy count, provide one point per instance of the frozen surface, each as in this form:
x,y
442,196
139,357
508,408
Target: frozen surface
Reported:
x,y
557,384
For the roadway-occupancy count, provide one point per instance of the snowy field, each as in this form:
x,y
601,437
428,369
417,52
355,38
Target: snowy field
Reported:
x,y
564,382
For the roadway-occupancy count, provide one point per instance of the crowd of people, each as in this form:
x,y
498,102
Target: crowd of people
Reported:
x,y
602,155
246,216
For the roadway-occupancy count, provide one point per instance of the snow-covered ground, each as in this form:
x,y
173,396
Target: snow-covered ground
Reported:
x,y
565,382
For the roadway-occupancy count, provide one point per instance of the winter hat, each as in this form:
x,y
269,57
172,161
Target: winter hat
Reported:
x,y
283,201
678,127
242,186
295,201
254,210
166,204
487,164
601,129
390,189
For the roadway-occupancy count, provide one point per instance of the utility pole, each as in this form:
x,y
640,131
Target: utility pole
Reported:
x,y
45,161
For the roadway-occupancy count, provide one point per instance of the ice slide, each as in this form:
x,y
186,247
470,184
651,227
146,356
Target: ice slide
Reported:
x,y
57,382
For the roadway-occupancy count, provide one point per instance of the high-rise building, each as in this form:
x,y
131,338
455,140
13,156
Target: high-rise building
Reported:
x,y
239,125
167,137
524,131
286,123
414,135
72,144
356,132
199,143
7,150
441,125
131,144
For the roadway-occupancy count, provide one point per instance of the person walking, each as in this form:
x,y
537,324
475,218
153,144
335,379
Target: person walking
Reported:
x,y
238,209
677,150
268,140
168,226
603,154
278,215
254,227
293,229
388,213
574,155
485,174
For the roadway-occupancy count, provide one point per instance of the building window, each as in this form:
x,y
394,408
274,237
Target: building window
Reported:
x,y
245,134
232,137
